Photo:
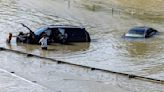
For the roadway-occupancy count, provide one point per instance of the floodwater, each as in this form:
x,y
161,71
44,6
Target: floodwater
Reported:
x,y
107,49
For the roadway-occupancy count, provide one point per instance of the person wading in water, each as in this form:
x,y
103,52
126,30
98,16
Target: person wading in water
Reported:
x,y
9,38
43,42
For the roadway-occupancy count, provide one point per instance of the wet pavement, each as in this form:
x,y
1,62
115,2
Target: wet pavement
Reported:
x,y
12,83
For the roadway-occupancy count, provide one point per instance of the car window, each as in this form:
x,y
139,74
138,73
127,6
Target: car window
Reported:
x,y
149,31
39,31
61,30
137,31
48,32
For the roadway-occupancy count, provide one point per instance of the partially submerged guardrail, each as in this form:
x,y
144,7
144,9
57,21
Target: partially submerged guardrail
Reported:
x,y
88,67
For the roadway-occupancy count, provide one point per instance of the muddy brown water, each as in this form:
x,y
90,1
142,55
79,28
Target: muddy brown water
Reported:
x,y
107,49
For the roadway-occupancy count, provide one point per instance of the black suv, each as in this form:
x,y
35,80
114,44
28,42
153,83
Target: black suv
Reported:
x,y
55,34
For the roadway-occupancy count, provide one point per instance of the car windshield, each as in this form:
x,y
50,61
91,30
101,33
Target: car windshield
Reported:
x,y
39,31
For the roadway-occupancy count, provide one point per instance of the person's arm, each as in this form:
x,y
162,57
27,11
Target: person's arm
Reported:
x,y
40,40
14,36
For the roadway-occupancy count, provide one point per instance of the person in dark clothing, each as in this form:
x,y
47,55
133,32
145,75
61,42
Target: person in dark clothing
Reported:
x,y
9,38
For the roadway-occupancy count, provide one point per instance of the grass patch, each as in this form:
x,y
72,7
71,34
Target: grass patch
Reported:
x,y
92,7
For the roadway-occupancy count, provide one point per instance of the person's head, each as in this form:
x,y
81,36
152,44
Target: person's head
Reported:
x,y
10,34
44,35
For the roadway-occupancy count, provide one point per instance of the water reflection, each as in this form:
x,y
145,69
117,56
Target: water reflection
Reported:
x,y
72,47
9,46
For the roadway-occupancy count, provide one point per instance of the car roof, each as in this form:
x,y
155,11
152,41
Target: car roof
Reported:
x,y
143,28
137,29
64,26
42,29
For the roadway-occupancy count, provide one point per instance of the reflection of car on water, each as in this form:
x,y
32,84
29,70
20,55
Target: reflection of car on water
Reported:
x,y
55,34
72,47
140,32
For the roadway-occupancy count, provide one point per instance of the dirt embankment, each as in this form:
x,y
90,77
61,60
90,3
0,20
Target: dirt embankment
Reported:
x,y
153,7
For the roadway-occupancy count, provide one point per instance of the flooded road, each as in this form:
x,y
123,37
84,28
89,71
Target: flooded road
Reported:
x,y
107,49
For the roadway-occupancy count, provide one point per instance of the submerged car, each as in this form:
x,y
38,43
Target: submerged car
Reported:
x,y
140,32
55,34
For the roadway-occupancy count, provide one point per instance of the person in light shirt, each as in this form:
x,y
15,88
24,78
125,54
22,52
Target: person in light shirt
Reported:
x,y
43,42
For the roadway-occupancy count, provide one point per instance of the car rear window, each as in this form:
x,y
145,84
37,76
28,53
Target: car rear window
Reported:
x,y
137,31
